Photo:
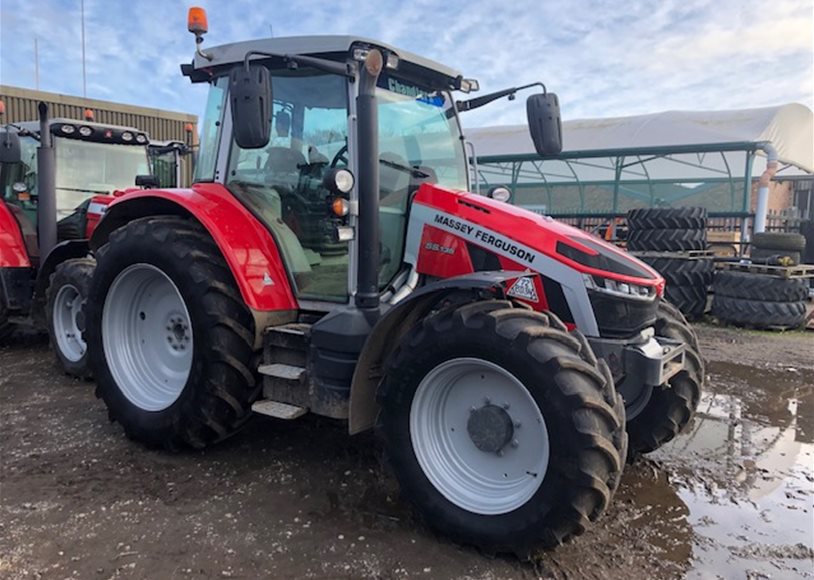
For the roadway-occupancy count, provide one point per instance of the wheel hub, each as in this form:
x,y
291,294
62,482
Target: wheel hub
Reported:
x,y
178,335
490,428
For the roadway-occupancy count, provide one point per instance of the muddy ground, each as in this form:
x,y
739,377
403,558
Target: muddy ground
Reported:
x,y
731,498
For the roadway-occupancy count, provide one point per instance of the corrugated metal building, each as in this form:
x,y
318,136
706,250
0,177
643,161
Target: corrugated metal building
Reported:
x,y
160,125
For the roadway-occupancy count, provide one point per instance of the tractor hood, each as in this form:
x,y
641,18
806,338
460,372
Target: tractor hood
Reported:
x,y
525,237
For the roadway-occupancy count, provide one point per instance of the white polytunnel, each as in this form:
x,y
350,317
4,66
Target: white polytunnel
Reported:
x,y
672,158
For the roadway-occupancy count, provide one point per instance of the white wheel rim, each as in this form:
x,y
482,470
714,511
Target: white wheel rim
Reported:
x,y
67,330
147,337
481,481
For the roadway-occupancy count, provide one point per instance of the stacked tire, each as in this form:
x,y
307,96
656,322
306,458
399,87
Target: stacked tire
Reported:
x,y
688,281
759,300
662,237
768,246
674,229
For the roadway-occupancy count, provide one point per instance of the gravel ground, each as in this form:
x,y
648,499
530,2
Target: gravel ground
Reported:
x,y
731,498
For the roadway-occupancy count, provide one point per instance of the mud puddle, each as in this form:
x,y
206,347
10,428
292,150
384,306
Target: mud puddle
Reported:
x,y
744,476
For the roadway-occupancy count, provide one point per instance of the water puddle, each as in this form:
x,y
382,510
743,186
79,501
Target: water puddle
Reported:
x,y
744,476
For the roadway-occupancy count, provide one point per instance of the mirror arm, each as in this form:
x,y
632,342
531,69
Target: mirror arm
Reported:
x,y
292,61
470,104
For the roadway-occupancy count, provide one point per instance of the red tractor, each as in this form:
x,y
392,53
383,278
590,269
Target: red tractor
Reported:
x,y
328,259
52,173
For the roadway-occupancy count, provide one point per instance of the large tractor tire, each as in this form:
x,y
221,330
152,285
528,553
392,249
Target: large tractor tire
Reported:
x,y
674,218
759,313
760,287
783,257
502,427
170,338
670,240
783,241
6,327
690,300
66,300
670,407
688,282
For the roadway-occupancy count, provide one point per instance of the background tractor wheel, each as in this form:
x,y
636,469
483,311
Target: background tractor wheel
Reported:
x,y
760,287
671,240
762,254
672,406
677,218
501,426
66,299
6,327
690,300
759,313
779,241
171,340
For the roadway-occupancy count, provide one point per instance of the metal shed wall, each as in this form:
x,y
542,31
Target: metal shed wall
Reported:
x,y
160,125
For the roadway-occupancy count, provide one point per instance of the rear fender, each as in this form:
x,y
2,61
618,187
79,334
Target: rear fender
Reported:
x,y
246,245
63,251
394,324
13,252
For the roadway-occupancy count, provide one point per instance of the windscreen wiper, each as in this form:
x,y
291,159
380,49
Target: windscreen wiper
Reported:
x,y
417,173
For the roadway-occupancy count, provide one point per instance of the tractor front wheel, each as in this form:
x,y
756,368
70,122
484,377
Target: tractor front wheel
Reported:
x,y
671,406
169,335
66,299
502,428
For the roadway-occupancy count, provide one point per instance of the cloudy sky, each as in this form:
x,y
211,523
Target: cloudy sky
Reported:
x,y
603,57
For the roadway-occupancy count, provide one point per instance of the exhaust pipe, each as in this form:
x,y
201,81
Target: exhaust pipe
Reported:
x,y
763,187
367,281
46,187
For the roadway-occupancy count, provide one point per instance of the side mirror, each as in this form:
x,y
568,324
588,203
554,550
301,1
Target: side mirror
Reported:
x,y
545,125
251,99
147,181
10,151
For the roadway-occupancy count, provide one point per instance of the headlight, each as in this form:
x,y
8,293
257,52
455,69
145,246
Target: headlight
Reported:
x,y
618,288
85,131
141,138
500,193
68,129
338,180
127,136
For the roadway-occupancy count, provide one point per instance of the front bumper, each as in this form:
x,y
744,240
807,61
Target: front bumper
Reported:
x,y
642,360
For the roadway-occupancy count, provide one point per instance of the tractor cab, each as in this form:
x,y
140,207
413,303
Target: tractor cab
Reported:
x,y
313,131
89,159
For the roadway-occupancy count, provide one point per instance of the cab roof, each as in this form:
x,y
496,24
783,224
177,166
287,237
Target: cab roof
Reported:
x,y
333,47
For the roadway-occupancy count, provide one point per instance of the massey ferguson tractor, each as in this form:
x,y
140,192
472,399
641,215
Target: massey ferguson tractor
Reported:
x,y
51,171
329,259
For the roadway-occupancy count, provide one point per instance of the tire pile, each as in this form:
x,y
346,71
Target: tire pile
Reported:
x,y
773,246
759,300
662,238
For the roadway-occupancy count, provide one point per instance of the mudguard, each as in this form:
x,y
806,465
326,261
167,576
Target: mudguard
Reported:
x,y
63,251
248,247
398,319
13,253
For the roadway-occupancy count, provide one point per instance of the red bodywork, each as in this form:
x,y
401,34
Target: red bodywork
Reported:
x,y
245,243
13,253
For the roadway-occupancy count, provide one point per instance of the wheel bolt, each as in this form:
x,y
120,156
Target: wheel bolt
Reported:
x,y
515,443
499,453
169,327
472,409
487,400
517,424
506,406
169,339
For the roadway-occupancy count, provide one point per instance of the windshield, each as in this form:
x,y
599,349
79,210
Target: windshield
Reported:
x,y
85,168
419,129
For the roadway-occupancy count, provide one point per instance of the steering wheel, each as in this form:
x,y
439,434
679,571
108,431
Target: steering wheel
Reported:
x,y
341,155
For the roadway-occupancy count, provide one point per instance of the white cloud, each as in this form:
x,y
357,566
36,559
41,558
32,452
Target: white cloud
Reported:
x,y
603,58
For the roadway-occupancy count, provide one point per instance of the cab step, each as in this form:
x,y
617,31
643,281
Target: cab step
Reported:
x,y
278,410
282,371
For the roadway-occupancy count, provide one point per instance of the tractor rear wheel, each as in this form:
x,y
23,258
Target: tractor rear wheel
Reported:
x,y
66,299
171,340
502,427
671,406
